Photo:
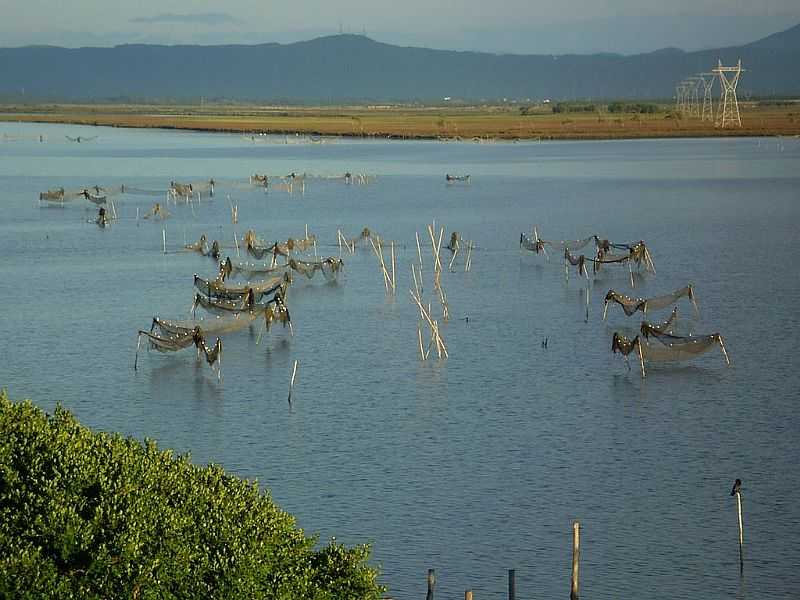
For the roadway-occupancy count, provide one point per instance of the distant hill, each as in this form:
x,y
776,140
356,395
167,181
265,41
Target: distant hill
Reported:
x,y
344,68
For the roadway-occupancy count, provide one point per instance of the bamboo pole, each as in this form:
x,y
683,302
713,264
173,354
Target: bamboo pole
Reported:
x,y
576,557
468,264
741,530
394,265
431,584
512,584
605,309
641,356
468,595
452,260
421,348
164,239
291,383
725,352
379,254
419,249
236,243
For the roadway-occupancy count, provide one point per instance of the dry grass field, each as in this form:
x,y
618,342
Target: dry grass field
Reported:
x,y
466,123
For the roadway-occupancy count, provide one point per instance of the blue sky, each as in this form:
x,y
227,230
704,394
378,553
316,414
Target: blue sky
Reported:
x,y
522,26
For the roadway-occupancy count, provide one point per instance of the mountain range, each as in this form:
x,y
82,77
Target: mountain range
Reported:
x,y
354,68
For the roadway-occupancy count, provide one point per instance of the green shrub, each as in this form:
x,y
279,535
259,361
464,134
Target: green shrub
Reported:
x,y
93,515
574,107
633,107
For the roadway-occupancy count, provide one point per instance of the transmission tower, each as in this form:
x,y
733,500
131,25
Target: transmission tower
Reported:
x,y
693,101
728,112
707,80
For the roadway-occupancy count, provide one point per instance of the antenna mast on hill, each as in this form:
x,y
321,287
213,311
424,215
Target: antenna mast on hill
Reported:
x,y
707,79
728,113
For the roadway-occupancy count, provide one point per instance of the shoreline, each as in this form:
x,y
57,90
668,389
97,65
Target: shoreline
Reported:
x,y
467,124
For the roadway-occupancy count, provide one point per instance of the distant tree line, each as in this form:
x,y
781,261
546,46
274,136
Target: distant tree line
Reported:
x,y
616,107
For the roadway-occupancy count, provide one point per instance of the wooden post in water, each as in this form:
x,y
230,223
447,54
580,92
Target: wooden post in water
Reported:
x,y
512,584
164,239
468,595
576,557
737,491
431,584
291,383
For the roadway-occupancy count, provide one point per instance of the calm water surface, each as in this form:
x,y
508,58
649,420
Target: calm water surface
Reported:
x,y
471,465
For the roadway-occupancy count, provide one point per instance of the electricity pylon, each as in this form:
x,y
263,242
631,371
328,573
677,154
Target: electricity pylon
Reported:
x,y
728,112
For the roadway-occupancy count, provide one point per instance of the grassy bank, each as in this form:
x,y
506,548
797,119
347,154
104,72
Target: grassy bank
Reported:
x,y
466,123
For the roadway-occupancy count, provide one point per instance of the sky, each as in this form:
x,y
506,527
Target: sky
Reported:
x,y
516,26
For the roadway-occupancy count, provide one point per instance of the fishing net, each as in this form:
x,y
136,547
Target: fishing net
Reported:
x,y
157,213
258,249
665,346
178,341
200,246
134,191
216,288
631,305
329,267
215,326
533,245
60,195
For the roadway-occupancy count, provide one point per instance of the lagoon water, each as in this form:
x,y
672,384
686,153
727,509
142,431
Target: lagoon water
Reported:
x,y
471,465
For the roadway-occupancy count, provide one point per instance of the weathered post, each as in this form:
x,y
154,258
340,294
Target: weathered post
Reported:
x,y
431,584
512,584
468,595
576,556
737,491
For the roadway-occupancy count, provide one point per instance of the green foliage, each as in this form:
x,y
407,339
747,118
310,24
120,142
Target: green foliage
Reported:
x,y
93,515
633,107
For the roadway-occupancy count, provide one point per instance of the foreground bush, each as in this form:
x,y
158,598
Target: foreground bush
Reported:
x,y
92,515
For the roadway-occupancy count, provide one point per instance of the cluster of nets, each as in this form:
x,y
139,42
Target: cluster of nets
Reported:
x,y
606,252
659,343
98,194
631,305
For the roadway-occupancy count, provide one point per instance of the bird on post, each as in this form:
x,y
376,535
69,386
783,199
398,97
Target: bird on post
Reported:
x,y
737,485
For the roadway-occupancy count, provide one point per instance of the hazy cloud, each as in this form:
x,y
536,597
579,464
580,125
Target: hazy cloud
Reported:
x,y
197,18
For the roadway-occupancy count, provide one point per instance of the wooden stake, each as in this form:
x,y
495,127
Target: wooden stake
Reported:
x,y
725,352
431,584
394,264
236,243
576,557
468,264
512,584
741,530
421,348
641,356
605,309
291,383
419,250
468,595
164,239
